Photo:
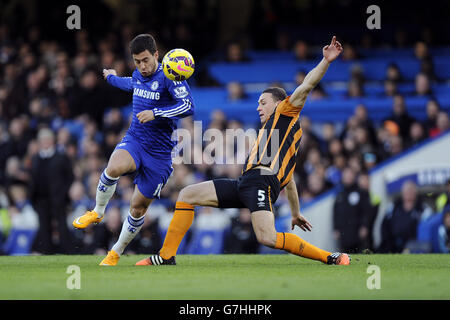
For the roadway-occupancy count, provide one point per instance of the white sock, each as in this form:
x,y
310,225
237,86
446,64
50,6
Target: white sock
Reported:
x,y
130,229
105,190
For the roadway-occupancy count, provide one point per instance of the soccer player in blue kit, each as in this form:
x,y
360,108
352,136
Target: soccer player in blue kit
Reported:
x,y
147,146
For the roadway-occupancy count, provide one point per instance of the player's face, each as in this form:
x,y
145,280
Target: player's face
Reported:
x,y
266,106
146,62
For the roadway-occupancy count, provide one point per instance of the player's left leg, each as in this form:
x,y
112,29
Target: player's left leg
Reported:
x,y
200,194
264,227
130,228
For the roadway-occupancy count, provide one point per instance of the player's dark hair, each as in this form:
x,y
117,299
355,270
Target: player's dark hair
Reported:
x,y
278,94
143,42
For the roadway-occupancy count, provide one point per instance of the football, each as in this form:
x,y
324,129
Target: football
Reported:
x,y
178,65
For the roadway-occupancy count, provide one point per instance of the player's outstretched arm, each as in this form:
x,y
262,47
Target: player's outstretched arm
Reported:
x,y
330,53
294,203
123,83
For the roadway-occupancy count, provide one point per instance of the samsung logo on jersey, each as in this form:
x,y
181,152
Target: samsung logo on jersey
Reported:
x,y
146,94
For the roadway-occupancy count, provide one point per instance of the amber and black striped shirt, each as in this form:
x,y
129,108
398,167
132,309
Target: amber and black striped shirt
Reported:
x,y
277,143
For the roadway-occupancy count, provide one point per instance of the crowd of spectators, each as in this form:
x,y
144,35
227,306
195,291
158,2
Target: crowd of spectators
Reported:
x,y
60,122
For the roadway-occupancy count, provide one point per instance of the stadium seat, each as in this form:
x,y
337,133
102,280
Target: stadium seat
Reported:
x,y
206,242
268,55
442,67
334,108
19,242
285,70
427,231
75,128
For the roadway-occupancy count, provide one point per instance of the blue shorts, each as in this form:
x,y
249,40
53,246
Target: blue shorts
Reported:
x,y
151,173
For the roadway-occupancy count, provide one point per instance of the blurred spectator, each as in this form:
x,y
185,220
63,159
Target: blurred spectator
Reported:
x,y
432,110
390,88
309,138
334,148
370,160
350,53
393,73
113,121
5,152
400,37
148,240
400,223
316,182
352,215
421,51
400,116
362,140
107,233
283,41
444,232
15,172
19,135
328,134
302,51
361,117
241,238
395,146
350,126
427,68
235,91
444,198
235,53
355,89
90,97
357,73
364,184
334,170
417,134
442,124
21,212
422,85
313,160
218,120
52,176
299,77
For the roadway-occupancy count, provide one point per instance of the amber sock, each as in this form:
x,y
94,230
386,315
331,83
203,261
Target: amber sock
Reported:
x,y
180,224
294,244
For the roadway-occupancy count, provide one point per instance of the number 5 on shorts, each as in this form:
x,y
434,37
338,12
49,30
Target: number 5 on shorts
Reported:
x,y
261,195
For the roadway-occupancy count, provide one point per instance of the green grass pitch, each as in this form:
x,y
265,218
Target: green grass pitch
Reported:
x,y
226,277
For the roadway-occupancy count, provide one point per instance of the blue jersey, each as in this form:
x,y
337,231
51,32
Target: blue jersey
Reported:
x,y
169,100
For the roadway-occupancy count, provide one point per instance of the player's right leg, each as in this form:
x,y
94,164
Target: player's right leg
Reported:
x,y
264,227
120,162
201,194
259,192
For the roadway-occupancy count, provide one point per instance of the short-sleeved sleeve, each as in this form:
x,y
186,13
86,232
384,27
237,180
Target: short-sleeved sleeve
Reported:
x,y
287,109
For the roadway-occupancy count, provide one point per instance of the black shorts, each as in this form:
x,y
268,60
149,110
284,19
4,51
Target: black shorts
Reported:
x,y
255,189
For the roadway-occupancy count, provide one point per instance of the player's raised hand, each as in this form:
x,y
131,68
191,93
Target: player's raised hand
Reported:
x,y
145,116
333,50
301,222
107,72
